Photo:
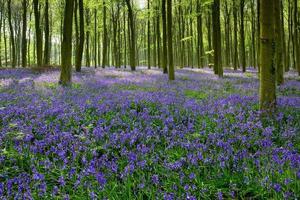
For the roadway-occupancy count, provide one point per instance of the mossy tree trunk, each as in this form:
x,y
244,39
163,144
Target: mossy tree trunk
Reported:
x,y
278,38
170,40
267,54
66,49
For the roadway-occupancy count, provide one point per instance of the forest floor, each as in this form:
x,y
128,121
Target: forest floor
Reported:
x,y
118,134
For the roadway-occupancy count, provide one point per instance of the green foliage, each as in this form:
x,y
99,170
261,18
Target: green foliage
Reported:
x,y
199,95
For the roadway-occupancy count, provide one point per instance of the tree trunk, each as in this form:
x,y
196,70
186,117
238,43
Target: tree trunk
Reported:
x,y
87,49
95,38
66,49
38,32
278,39
24,31
158,38
148,36
12,37
217,38
164,25
47,35
79,50
132,48
235,37
170,40
104,41
296,39
242,36
267,53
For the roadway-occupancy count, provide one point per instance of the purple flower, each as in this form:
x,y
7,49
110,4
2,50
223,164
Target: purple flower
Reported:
x,y
155,179
277,187
101,179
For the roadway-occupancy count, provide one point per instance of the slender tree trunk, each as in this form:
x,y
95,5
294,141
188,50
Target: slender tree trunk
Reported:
x,y
1,23
164,25
235,36
209,38
296,37
170,40
158,37
253,38
278,38
5,44
242,36
66,49
38,32
217,38
258,34
24,31
95,38
47,35
132,49
148,36
267,53
87,49
227,32
79,50
200,50
104,41
12,36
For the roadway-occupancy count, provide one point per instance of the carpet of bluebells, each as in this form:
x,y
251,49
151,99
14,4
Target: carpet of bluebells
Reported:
x,y
115,134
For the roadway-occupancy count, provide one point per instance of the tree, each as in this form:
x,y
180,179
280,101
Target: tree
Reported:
x,y
38,33
104,44
242,36
296,39
279,43
12,35
235,38
200,49
164,25
79,49
47,35
132,36
148,36
217,38
267,53
66,48
24,32
170,40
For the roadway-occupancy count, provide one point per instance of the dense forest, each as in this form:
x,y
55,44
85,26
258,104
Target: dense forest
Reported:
x,y
149,99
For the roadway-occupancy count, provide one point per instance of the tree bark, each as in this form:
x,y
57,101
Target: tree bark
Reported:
x,y
267,53
47,35
170,40
24,31
66,49
217,38
164,25
278,38
132,48
12,36
38,32
242,36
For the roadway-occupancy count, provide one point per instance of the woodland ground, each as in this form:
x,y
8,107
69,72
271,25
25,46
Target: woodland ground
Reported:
x,y
121,135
